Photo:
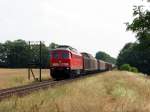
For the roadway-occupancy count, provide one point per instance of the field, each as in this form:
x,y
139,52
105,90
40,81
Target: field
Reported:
x,y
17,77
112,91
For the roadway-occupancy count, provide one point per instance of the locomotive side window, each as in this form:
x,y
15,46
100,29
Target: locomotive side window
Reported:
x,y
65,55
55,55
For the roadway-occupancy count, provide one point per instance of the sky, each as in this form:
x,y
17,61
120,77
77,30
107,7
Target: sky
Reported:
x,y
87,25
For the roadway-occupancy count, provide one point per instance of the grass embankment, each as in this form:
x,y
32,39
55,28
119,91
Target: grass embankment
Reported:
x,y
17,77
109,92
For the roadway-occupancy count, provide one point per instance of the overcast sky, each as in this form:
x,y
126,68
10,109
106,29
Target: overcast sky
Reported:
x,y
87,25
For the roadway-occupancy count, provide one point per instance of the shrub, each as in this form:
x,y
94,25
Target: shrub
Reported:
x,y
127,67
134,69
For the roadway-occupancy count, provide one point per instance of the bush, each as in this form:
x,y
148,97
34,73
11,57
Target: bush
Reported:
x,y
134,69
127,67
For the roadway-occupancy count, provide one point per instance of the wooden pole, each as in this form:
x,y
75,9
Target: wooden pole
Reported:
x,y
40,60
29,63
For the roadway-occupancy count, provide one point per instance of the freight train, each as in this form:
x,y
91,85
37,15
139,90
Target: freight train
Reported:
x,y
67,62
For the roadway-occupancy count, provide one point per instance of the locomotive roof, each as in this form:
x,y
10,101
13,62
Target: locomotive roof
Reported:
x,y
66,47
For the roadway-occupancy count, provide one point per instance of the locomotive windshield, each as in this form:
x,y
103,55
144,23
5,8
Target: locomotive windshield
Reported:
x,y
55,55
60,55
65,55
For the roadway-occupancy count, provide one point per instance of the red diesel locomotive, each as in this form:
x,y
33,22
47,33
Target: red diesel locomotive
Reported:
x,y
67,62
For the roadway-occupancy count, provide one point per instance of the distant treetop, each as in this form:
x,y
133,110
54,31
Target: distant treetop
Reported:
x,y
105,57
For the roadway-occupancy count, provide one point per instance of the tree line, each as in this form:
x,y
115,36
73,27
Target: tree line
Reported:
x,y
137,54
105,57
18,54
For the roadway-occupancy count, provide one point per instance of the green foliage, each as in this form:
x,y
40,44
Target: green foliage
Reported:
x,y
138,54
134,69
17,54
104,56
134,56
35,53
141,23
52,46
127,67
3,55
127,54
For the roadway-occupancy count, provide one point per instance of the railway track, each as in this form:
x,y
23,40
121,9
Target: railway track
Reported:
x,y
27,89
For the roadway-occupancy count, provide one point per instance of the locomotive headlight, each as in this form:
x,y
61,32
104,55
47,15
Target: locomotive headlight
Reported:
x,y
65,64
60,64
55,64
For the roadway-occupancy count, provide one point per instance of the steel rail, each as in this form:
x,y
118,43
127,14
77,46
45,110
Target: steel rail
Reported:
x,y
26,89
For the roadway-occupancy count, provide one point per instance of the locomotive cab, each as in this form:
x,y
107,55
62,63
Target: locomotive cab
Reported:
x,y
60,63
63,61
60,58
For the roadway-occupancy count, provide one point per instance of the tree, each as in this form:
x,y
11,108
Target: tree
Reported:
x,y
105,57
53,46
3,56
127,55
141,24
45,56
35,55
17,53
138,54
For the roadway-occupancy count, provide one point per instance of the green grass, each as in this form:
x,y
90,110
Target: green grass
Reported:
x,y
109,92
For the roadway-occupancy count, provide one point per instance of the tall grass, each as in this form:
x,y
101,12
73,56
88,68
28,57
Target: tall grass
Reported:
x,y
109,92
17,77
